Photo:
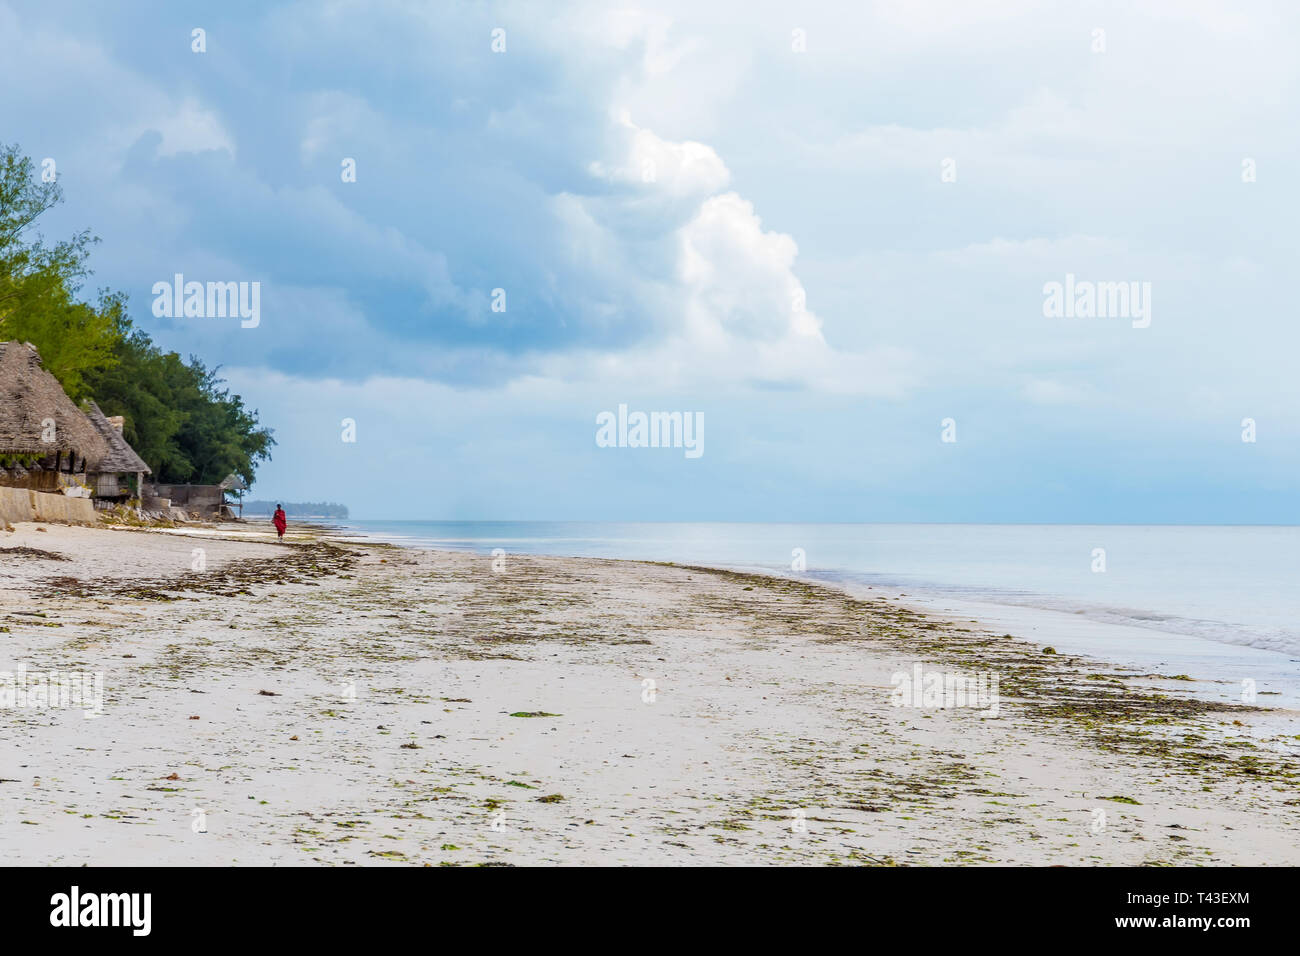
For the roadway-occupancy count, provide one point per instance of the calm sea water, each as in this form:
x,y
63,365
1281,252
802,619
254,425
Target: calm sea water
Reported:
x,y
1232,586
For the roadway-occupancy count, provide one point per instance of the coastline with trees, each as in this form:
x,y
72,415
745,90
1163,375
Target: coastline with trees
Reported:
x,y
177,412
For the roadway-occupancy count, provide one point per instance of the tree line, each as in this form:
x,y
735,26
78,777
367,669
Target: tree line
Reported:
x,y
179,416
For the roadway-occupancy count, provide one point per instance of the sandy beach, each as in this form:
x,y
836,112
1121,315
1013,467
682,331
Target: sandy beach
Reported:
x,y
330,701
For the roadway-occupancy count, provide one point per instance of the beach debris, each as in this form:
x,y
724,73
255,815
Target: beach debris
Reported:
x,y
301,565
268,693
36,553
534,713
551,798
1049,650
1122,800
172,776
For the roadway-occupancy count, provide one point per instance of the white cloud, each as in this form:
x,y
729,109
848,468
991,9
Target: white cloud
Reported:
x,y
679,169
737,313
731,310
189,128
740,280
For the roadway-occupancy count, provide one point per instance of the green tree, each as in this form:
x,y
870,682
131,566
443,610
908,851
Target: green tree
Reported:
x,y
178,415
39,282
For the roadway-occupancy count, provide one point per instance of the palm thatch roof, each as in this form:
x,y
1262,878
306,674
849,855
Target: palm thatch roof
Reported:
x,y
29,396
121,457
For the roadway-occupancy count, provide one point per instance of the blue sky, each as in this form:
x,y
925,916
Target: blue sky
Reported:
x,y
688,214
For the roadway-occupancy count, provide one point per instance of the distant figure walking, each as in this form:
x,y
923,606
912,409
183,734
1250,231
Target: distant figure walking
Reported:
x,y
280,521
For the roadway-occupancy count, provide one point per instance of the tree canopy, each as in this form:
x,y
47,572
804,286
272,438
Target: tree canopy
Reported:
x,y
179,416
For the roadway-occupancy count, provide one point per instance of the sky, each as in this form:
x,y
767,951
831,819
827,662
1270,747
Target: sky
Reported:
x,y
825,229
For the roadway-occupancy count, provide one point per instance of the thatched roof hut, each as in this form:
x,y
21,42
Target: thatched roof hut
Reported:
x,y
29,398
121,457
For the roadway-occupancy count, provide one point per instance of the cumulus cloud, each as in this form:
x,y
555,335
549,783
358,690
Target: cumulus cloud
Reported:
x,y
189,128
738,279
678,169
713,295
734,311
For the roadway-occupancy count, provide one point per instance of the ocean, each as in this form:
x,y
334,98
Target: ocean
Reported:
x,y
1214,598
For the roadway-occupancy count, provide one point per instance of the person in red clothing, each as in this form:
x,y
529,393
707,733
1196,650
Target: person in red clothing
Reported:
x,y
280,521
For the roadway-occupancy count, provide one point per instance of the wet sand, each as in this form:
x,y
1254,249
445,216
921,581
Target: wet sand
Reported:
x,y
341,702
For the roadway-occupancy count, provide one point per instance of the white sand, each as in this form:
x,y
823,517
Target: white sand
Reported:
x,y
768,703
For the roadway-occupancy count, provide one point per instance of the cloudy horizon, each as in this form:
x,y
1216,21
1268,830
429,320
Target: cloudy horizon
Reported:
x,y
827,233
